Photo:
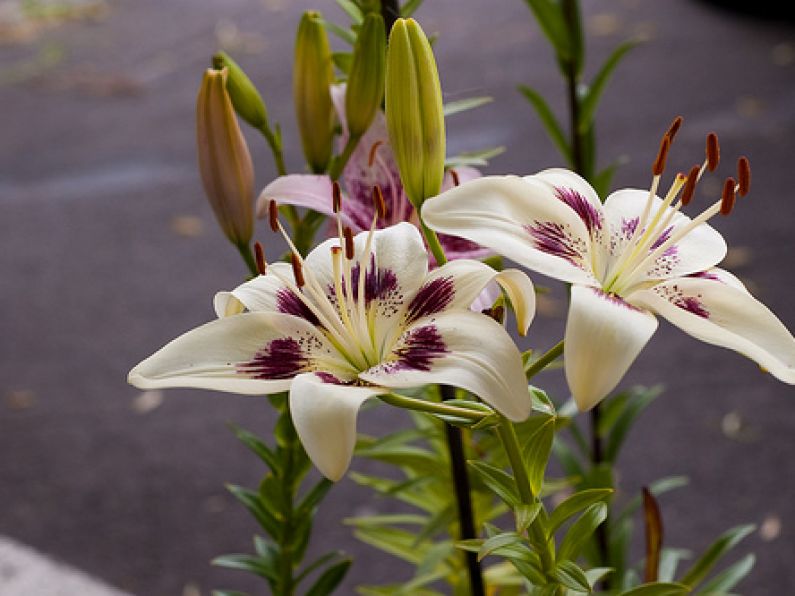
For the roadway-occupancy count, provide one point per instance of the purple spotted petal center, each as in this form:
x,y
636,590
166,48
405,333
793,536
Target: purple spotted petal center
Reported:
x,y
281,358
589,214
420,347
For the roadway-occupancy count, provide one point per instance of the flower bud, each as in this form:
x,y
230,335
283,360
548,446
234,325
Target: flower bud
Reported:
x,y
244,95
366,79
224,161
312,78
414,113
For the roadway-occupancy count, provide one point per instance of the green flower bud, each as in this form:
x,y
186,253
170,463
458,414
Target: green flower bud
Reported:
x,y
312,78
245,97
366,79
224,161
414,113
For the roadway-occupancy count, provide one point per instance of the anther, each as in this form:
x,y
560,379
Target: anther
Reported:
x,y
497,313
273,215
336,197
713,151
690,185
728,197
373,150
454,175
259,256
658,166
349,252
743,176
297,270
378,199
674,128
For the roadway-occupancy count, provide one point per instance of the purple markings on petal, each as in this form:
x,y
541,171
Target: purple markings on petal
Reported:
x,y
589,215
433,297
672,250
693,305
281,358
614,299
628,227
287,302
554,239
329,378
378,283
420,347
706,275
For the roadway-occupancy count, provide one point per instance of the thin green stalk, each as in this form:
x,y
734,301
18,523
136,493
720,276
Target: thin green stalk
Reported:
x,y
532,369
276,149
248,257
510,442
433,243
339,162
421,405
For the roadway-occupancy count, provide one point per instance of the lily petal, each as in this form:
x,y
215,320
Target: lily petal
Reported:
x,y
519,218
700,249
604,335
251,353
463,349
324,414
458,284
721,313
262,293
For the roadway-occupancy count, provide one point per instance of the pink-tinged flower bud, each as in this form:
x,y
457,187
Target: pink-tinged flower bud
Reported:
x,y
312,78
366,80
414,112
224,160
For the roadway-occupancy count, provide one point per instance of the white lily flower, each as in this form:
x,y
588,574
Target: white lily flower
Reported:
x,y
335,337
635,256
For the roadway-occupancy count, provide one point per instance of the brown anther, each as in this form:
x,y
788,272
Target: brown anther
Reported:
x,y
349,252
454,176
298,272
690,185
336,197
273,215
743,175
259,257
497,313
728,197
658,167
713,151
378,200
373,151
674,128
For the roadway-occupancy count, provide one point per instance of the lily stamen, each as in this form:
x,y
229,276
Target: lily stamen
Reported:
x,y
259,257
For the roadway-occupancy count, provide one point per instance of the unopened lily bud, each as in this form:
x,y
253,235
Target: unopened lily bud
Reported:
x,y
366,79
244,95
312,78
224,161
414,113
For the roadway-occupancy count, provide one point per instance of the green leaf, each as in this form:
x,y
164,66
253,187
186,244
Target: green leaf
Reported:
x,y
409,7
576,503
566,457
308,504
551,125
581,530
438,521
498,541
597,573
399,543
551,21
471,545
257,446
316,564
353,11
249,563
251,501
729,577
343,61
541,401
635,405
570,575
462,105
345,35
388,519
669,561
713,554
670,589
330,579
473,158
591,100
497,480
536,453
604,178
525,515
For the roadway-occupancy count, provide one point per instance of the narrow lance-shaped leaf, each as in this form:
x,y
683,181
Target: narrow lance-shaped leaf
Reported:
x,y
576,503
570,575
581,530
729,577
497,480
669,589
620,429
462,105
717,549
550,18
591,99
654,535
548,120
536,453
330,579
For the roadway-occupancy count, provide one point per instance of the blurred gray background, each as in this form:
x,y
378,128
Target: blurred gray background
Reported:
x,y
108,250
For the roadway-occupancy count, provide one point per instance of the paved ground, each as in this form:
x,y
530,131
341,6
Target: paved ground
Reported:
x,y
107,250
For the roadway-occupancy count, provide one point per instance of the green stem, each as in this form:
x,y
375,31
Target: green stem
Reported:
x,y
532,369
248,257
433,243
421,405
276,149
510,442
339,162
